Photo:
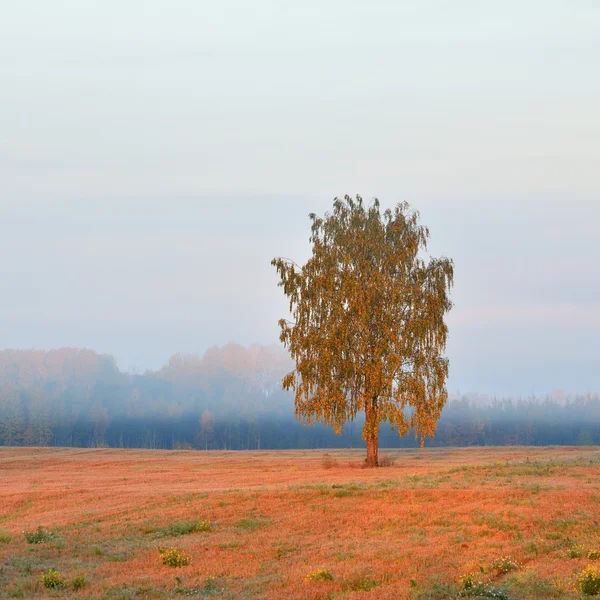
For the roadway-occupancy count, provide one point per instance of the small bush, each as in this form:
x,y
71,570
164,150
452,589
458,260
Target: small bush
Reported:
x,y
79,582
588,581
594,555
4,538
320,575
575,551
329,462
505,564
52,579
358,583
485,590
387,461
284,551
250,523
474,587
174,557
183,528
38,536
211,586
470,580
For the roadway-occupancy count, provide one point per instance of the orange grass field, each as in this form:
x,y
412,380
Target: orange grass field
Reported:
x,y
522,519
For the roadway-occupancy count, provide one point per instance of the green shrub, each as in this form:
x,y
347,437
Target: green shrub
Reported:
x,y
505,564
485,590
575,551
183,528
211,585
79,582
594,555
174,557
588,581
343,493
358,583
38,536
52,579
470,580
250,523
474,587
319,575
4,538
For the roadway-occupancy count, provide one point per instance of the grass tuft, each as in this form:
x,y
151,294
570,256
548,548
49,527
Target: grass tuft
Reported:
x,y
38,536
183,528
320,575
174,557
52,579
588,581
250,523
359,582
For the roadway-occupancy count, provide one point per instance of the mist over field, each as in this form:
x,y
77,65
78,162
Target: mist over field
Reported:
x,y
231,399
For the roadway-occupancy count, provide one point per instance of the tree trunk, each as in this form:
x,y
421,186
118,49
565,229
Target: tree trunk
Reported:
x,y
372,451
371,433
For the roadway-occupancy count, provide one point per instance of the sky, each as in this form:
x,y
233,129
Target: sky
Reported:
x,y
154,157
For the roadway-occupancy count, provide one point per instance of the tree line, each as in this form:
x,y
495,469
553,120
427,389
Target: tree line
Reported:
x,y
231,399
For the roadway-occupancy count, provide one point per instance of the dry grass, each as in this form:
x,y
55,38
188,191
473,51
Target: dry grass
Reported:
x,y
407,531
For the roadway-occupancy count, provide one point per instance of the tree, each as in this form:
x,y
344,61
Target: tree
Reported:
x,y
12,421
39,427
206,428
368,331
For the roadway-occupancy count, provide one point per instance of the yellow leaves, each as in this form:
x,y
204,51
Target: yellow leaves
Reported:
x,y
368,329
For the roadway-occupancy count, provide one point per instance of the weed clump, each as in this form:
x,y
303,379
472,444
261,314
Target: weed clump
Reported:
x,y
588,581
387,461
211,586
174,557
505,564
594,555
52,579
38,536
474,587
250,523
358,583
183,528
320,575
4,538
470,581
79,582
575,551
329,462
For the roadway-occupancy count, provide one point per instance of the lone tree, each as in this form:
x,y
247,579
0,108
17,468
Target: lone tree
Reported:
x,y
368,331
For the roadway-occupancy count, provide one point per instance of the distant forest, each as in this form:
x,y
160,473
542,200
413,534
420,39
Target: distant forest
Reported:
x,y
231,399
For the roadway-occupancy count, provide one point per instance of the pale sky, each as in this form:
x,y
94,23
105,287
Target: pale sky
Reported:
x,y
154,156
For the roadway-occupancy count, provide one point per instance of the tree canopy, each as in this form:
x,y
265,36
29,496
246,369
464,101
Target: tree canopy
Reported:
x,y
368,331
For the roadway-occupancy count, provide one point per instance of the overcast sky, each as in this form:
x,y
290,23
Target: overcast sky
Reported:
x,y
154,156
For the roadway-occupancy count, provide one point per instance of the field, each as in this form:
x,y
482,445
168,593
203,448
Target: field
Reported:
x,y
298,524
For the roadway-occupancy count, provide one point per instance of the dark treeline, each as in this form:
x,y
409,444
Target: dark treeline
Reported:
x,y
230,398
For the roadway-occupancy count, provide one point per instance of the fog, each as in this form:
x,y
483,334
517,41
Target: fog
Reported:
x,y
230,398
155,157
